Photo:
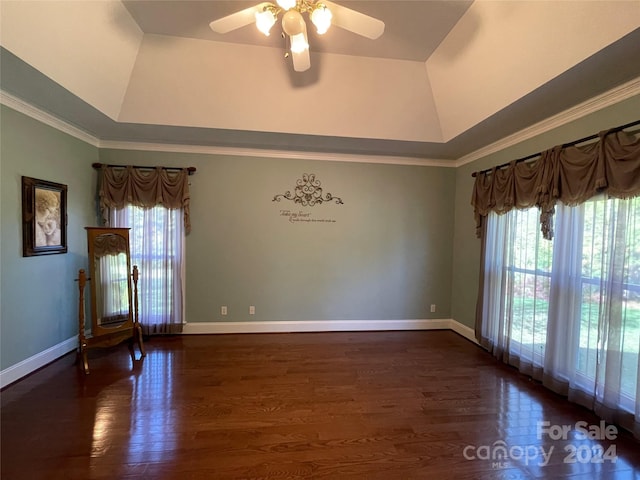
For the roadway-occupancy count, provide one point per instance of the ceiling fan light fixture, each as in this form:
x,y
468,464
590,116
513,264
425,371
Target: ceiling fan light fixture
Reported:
x,y
293,23
322,13
265,20
286,4
321,18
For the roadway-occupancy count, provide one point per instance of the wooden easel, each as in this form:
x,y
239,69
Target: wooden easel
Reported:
x,y
132,333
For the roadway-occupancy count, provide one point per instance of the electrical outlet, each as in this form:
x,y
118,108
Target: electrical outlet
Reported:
x,y
223,310
433,307
252,310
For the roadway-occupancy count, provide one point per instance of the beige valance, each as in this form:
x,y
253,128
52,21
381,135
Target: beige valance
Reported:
x,y
571,175
121,186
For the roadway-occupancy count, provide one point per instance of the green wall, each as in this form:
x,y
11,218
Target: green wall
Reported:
x,y
385,254
403,239
39,299
466,247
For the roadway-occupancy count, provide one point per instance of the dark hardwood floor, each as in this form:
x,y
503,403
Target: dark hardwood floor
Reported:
x,y
367,405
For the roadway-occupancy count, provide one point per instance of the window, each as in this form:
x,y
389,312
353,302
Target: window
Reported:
x,y
528,275
610,295
157,247
567,311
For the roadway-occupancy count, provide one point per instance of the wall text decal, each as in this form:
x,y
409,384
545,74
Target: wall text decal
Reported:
x,y
303,217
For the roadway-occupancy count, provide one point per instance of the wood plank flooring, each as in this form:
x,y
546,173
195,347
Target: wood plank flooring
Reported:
x,y
365,405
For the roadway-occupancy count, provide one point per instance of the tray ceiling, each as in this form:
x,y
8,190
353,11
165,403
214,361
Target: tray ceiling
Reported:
x,y
445,79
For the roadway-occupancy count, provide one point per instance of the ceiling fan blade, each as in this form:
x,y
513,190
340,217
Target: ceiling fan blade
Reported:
x,y
238,19
355,22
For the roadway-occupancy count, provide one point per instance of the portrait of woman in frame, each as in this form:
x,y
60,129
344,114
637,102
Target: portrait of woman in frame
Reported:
x,y
44,217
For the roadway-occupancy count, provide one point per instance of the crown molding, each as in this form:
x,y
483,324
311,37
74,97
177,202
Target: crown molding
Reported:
x,y
607,99
34,112
613,96
281,154
48,119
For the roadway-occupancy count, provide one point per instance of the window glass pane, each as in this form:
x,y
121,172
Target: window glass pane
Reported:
x,y
528,278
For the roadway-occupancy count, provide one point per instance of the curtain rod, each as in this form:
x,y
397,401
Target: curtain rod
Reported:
x,y
190,170
564,145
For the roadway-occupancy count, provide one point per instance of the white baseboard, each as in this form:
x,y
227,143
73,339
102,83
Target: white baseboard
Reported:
x,y
463,330
315,326
31,364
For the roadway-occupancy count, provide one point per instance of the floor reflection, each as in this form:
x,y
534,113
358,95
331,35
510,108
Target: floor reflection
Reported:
x,y
135,418
536,439
301,406
153,434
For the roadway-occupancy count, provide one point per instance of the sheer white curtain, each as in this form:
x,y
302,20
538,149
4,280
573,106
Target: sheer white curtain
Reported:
x,y
494,327
157,247
567,311
518,269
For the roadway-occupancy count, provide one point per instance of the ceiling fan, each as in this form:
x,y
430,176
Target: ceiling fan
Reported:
x,y
322,14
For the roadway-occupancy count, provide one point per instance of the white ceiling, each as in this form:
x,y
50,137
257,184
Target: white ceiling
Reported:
x,y
445,79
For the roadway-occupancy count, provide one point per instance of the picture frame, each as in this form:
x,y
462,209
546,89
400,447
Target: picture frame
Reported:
x,y
44,217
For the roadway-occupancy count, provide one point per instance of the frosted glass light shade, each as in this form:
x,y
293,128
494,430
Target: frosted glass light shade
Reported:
x,y
321,18
299,43
286,4
265,20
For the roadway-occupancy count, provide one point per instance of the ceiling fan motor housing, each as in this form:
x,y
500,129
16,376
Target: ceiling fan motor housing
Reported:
x,y
293,23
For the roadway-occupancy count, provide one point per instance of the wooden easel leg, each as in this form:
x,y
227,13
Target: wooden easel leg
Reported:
x,y
82,357
138,335
82,344
132,352
137,328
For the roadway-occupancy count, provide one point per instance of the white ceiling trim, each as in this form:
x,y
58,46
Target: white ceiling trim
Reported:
x,y
607,99
34,112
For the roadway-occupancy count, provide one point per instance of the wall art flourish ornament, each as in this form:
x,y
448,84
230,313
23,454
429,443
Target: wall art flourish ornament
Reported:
x,y
308,192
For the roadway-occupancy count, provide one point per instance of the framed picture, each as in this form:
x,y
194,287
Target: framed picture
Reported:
x,y
44,217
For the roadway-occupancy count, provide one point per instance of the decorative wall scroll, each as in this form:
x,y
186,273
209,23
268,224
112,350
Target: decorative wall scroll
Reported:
x,y
44,217
308,192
